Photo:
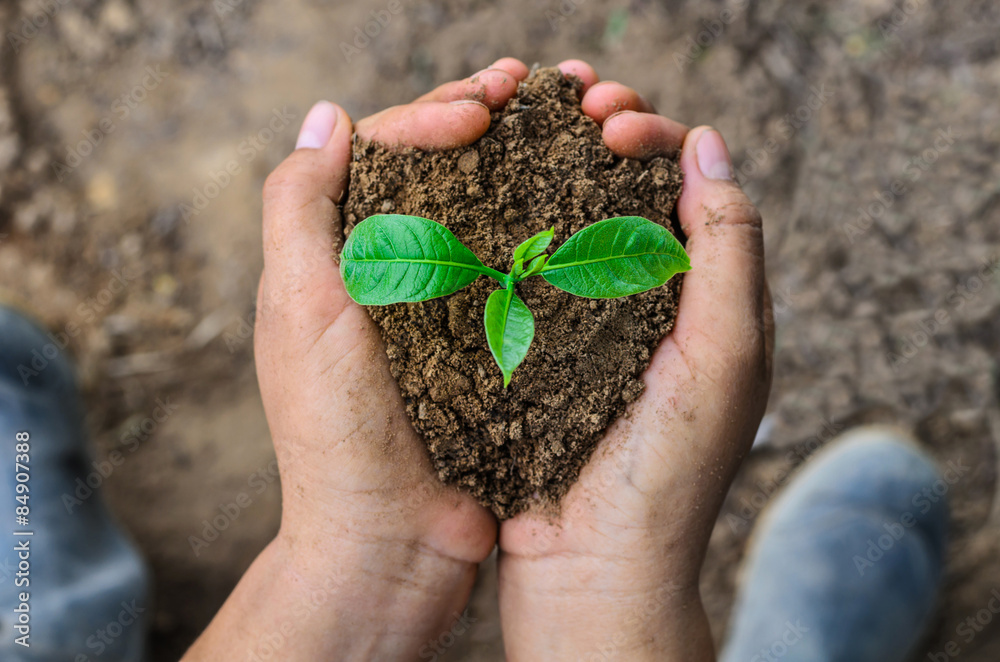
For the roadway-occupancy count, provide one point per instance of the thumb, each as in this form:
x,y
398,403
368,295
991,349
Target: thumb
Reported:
x,y
723,307
302,225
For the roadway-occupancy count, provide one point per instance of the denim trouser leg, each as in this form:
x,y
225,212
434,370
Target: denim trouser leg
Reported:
x,y
87,586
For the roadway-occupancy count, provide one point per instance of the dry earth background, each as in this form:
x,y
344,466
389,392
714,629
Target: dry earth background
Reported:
x,y
894,108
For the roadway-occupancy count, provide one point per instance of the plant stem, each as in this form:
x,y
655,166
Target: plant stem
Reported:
x,y
498,276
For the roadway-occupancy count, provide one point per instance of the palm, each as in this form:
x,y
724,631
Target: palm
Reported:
x,y
659,475
639,457
333,406
349,364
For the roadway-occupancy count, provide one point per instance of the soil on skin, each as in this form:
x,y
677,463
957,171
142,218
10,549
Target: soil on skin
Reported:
x,y
542,164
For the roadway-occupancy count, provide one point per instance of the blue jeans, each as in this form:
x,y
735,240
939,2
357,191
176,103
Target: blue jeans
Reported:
x,y
73,588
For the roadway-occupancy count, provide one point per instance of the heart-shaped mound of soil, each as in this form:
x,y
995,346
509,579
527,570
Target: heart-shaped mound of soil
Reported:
x,y
542,163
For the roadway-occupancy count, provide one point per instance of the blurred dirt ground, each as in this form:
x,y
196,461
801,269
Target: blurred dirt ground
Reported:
x,y
867,132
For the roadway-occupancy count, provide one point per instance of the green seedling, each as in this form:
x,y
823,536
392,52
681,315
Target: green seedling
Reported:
x,y
391,258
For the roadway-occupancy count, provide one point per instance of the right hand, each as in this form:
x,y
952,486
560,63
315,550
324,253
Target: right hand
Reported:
x,y
615,573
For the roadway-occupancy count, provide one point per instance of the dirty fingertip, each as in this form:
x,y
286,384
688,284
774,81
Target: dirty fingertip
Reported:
x,y
581,70
472,121
513,66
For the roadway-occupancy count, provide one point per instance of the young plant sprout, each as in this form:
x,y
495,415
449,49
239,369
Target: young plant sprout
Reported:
x,y
391,258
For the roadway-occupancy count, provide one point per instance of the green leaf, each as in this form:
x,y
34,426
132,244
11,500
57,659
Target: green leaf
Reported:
x,y
535,267
615,258
534,246
510,328
392,258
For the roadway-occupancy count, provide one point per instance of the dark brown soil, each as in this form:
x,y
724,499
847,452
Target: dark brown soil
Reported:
x,y
542,163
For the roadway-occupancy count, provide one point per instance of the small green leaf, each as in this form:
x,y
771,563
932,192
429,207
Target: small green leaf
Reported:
x,y
392,258
510,328
615,258
534,246
535,267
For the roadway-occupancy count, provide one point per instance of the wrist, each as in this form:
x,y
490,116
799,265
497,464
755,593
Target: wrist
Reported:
x,y
349,553
340,589
579,607
370,599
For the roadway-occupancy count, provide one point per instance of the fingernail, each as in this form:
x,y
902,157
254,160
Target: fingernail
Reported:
x,y
474,78
318,126
713,156
620,112
604,83
462,102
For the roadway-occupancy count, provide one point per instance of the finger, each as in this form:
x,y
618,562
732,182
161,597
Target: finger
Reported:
x,y
427,126
643,135
722,299
581,70
490,87
301,220
519,70
713,366
605,99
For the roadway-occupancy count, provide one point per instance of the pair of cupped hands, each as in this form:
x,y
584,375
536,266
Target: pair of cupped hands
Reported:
x,y
375,559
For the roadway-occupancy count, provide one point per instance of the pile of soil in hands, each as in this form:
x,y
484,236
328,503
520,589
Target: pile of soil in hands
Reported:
x,y
542,163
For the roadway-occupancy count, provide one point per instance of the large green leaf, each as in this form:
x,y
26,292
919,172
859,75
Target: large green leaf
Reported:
x,y
510,328
392,258
615,258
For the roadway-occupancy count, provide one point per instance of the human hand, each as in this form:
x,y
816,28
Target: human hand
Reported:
x,y
341,431
374,556
615,574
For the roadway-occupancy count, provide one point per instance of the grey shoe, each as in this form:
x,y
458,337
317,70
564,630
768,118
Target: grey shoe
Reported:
x,y
80,591
845,564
